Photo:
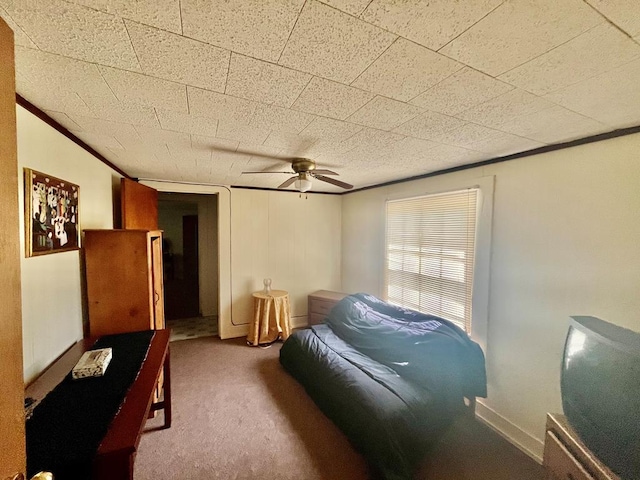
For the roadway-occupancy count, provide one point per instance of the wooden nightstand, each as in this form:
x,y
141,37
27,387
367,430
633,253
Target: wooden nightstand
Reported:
x,y
566,457
321,303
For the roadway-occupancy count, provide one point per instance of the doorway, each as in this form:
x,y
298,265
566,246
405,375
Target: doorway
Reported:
x,y
188,264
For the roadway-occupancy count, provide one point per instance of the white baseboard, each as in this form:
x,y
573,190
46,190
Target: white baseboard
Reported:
x,y
299,322
514,434
228,330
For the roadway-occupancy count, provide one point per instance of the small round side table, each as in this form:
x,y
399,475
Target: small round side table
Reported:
x,y
271,318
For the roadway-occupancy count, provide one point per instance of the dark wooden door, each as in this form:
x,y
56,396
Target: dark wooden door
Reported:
x,y
12,453
191,270
139,206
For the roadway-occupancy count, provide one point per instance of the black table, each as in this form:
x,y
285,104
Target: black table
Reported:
x,y
116,453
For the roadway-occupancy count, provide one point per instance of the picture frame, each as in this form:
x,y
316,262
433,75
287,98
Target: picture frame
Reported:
x,y
52,222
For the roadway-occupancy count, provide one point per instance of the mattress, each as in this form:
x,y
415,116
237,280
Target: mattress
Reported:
x,y
392,421
391,379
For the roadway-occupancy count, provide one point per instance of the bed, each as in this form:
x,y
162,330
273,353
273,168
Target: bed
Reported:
x,y
391,379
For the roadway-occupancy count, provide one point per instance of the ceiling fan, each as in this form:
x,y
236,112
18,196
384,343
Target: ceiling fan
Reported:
x,y
304,171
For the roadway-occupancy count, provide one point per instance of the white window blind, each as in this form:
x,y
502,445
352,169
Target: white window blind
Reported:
x,y
430,245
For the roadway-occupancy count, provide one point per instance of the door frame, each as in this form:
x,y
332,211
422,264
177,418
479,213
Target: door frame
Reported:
x,y
12,423
226,328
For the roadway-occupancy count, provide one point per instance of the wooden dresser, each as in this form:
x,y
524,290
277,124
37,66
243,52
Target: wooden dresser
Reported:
x,y
566,457
124,280
321,303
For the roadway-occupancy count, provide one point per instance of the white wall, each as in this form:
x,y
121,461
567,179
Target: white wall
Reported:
x,y
565,241
51,284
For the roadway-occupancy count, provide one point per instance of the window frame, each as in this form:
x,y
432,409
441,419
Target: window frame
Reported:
x,y
482,275
447,267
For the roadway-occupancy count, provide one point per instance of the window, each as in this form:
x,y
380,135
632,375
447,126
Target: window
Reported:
x,y
430,247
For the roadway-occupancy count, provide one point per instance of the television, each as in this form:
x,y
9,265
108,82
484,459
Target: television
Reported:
x,y
600,387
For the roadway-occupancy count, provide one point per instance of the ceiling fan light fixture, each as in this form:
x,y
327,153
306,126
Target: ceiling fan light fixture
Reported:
x,y
303,184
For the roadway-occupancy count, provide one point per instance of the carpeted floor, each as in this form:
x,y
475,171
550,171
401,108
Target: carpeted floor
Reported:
x,y
238,415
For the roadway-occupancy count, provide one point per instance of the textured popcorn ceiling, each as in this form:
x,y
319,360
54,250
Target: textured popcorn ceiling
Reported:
x,y
377,90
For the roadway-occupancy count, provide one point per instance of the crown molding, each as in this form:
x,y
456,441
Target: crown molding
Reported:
x,y
30,107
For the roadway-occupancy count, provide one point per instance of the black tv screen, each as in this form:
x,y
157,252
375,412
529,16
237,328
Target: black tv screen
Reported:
x,y
600,386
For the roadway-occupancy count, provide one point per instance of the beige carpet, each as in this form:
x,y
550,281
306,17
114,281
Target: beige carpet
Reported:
x,y
239,415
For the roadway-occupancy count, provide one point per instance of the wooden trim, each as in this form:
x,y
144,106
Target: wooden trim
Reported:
x,y
12,453
133,413
528,153
536,151
30,107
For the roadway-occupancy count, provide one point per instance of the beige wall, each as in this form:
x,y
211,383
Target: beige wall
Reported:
x,y
293,240
51,292
208,253
565,240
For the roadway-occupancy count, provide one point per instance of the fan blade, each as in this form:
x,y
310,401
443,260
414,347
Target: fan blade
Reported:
x,y
253,154
333,181
288,182
322,171
288,173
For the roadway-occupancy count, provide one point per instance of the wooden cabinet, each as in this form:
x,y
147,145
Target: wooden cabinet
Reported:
x,y
321,303
124,280
566,457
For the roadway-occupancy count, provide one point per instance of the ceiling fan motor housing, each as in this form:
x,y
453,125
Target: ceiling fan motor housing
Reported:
x,y
302,165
